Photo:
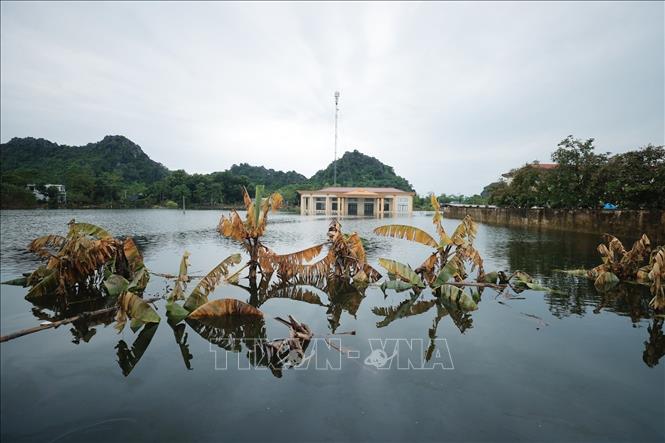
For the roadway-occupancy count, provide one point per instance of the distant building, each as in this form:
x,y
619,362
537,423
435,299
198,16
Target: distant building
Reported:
x,y
41,192
508,176
356,201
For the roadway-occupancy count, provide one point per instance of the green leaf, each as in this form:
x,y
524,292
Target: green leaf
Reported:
x,y
490,277
445,275
402,271
116,285
175,313
91,230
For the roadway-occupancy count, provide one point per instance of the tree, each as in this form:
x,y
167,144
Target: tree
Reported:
x,y
576,181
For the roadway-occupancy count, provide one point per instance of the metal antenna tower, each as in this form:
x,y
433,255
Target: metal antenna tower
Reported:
x,y
335,162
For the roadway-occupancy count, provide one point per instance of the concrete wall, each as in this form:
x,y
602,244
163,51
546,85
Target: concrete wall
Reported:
x,y
627,223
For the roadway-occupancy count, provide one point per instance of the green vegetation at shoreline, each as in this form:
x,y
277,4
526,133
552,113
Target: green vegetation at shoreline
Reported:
x,y
116,173
583,178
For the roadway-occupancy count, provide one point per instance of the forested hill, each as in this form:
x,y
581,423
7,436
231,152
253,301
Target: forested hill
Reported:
x,y
41,161
357,169
115,172
270,177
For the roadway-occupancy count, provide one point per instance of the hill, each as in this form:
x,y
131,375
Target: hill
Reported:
x,y
357,169
269,177
45,161
115,172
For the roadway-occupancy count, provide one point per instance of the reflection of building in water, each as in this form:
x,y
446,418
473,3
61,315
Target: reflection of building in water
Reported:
x,y
356,201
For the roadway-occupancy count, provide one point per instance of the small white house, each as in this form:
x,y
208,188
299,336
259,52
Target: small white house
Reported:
x,y
43,196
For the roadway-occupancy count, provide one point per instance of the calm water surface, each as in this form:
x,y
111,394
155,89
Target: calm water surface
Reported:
x,y
568,366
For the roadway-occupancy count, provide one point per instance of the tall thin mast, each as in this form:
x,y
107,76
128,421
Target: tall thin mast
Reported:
x,y
335,162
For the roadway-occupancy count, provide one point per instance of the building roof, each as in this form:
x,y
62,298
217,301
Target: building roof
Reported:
x,y
369,192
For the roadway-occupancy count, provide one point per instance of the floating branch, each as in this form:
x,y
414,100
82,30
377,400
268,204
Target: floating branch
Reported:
x,y
65,321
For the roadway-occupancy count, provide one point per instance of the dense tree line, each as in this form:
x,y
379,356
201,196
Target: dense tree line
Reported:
x,y
115,172
584,178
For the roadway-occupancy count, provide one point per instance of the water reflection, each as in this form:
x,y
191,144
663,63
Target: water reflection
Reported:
x,y
52,308
128,357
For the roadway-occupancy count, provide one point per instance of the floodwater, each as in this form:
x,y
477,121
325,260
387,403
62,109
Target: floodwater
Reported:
x,y
572,365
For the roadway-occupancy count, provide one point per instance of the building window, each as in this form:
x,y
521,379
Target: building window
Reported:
x,y
386,205
320,203
334,203
369,207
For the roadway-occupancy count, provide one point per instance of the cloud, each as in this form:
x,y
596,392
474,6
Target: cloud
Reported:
x,y
450,94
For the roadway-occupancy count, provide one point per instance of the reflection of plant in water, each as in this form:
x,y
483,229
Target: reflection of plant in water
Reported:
x,y
655,346
129,358
181,339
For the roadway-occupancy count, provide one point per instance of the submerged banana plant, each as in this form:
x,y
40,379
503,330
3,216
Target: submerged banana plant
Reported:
x,y
621,265
450,255
618,263
198,297
89,258
249,231
345,260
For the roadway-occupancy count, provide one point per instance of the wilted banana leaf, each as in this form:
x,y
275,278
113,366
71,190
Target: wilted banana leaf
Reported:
x,y
46,284
402,271
199,295
606,281
132,254
179,286
225,307
115,285
457,297
407,232
132,306
129,358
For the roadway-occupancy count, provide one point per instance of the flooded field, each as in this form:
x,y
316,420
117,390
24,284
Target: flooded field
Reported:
x,y
570,364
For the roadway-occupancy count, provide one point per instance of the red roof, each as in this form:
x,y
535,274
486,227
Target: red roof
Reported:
x,y
544,165
360,190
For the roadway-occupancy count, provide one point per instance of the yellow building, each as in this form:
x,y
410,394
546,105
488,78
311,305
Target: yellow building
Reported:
x,y
356,201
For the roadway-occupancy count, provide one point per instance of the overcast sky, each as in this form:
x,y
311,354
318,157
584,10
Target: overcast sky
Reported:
x,y
450,94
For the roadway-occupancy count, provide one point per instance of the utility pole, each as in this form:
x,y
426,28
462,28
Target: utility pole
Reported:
x,y
335,162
